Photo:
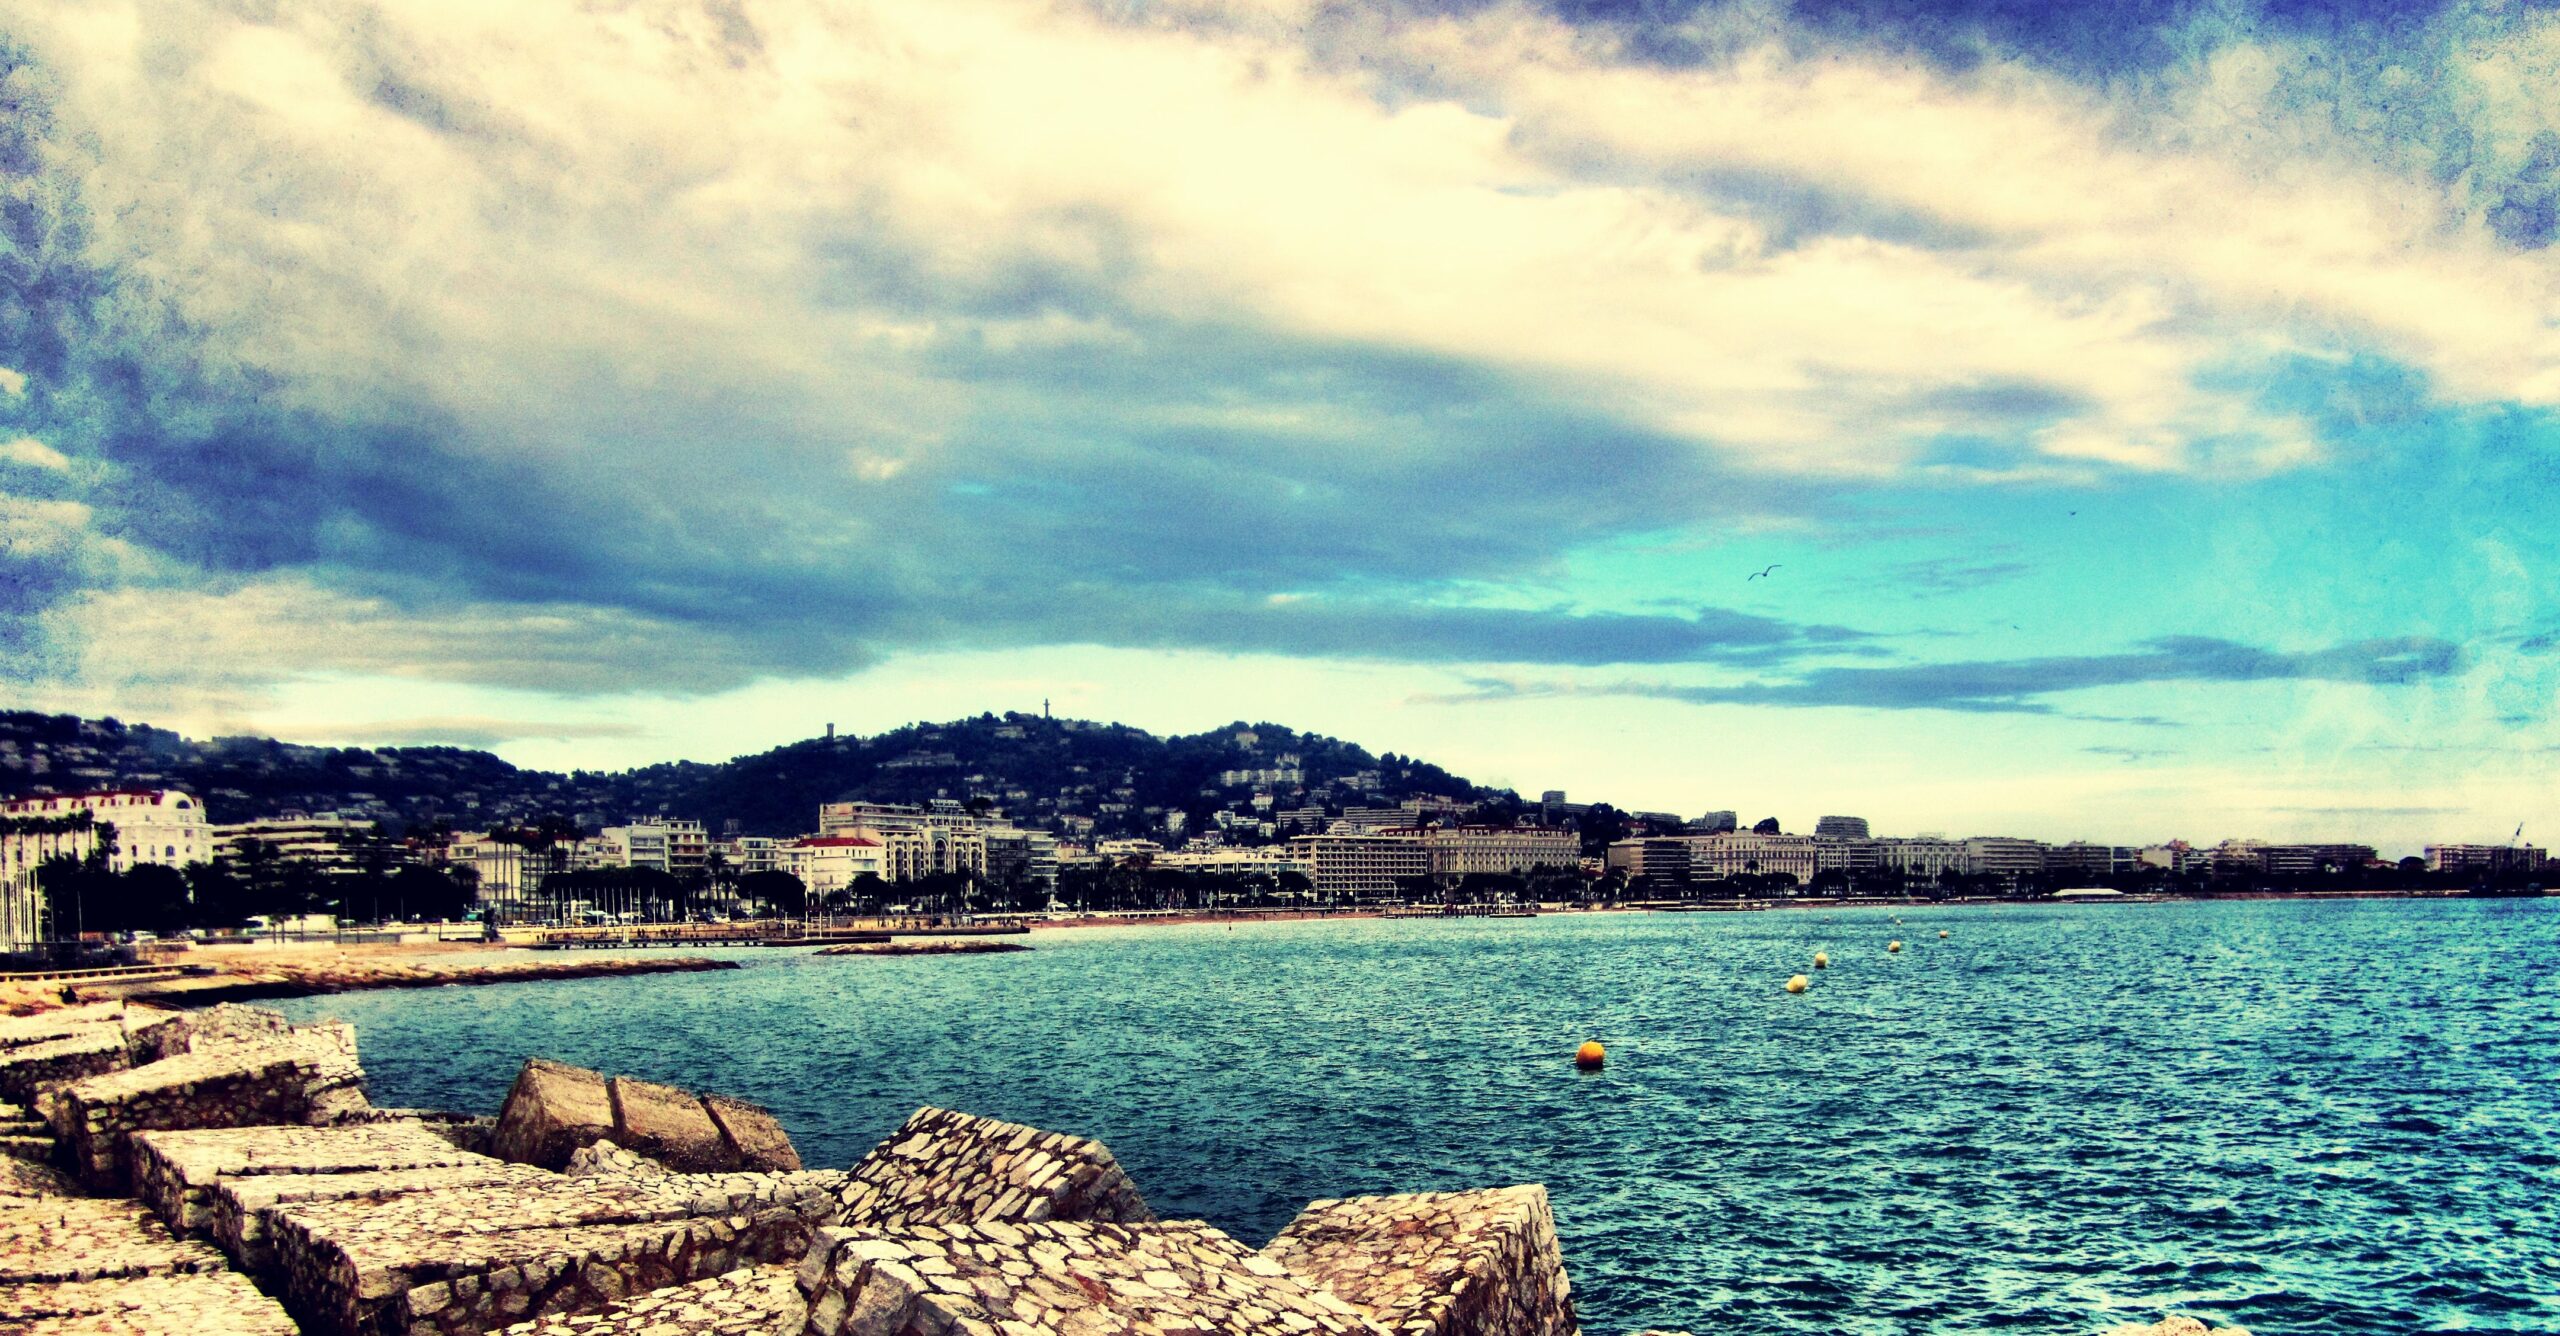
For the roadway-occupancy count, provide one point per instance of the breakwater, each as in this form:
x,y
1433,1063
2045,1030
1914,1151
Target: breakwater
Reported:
x,y
267,1197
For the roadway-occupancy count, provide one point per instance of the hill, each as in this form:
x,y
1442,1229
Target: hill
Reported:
x,y
1067,774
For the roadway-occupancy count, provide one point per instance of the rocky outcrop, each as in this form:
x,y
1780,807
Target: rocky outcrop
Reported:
x,y
1059,1277
1480,1263
555,1110
942,1168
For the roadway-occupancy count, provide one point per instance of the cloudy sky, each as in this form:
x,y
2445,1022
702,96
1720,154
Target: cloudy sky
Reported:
x,y
2144,412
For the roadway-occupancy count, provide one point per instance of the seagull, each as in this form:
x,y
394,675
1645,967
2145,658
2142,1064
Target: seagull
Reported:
x,y
1763,571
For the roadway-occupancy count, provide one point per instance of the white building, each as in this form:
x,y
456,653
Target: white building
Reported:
x,y
826,864
1923,858
151,826
2005,857
1739,852
1457,851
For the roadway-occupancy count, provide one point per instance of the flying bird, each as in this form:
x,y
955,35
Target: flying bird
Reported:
x,y
1763,571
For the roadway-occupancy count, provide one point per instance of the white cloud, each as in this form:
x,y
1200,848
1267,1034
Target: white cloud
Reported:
x,y
36,454
434,201
12,383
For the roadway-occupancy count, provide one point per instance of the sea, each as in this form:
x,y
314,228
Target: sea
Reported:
x,y
2302,1118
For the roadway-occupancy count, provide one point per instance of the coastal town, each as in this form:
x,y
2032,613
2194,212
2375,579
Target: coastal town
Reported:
x,y
1265,829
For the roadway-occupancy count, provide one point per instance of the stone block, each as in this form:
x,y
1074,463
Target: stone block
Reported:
x,y
236,1216
310,1076
942,1167
218,1303
60,1023
752,1301
175,1171
91,1238
552,1110
1480,1263
668,1125
486,1257
1067,1278
45,1065
155,1036
755,1138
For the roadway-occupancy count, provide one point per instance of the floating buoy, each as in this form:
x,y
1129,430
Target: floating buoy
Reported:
x,y
1942,934
1822,960
1894,945
1590,1054
1797,983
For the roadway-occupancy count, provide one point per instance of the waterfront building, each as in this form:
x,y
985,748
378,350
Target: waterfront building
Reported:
x,y
2176,856
1653,867
1263,862
2005,857
508,877
1737,853
151,826
1850,856
2233,858
1922,858
329,844
2302,860
944,836
749,853
164,826
2490,858
1016,854
641,846
1458,851
828,864
1356,865
1840,828
2082,859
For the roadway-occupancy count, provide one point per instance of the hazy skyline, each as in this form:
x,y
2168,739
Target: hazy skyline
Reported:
x,y
2148,410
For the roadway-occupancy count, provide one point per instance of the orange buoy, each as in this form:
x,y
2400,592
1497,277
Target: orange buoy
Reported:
x,y
1894,945
1822,960
1591,1054
1797,983
1942,934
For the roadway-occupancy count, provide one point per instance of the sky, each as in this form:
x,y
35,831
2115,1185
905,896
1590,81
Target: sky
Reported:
x,y
2116,420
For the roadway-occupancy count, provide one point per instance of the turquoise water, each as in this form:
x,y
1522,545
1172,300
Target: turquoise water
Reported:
x,y
2304,1118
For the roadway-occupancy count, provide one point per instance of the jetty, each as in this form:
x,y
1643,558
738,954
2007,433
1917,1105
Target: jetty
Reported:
x,y
1461,911
224,1171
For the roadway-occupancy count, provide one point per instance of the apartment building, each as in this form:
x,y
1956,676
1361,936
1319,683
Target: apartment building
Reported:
x,y
1360,865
